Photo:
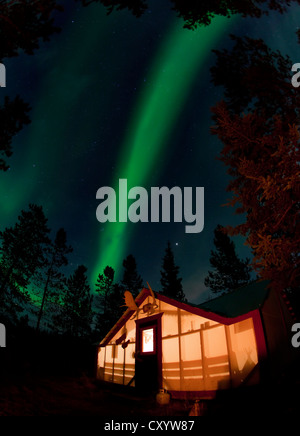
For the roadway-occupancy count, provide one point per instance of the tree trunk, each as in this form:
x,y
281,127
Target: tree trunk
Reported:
x,y
43,299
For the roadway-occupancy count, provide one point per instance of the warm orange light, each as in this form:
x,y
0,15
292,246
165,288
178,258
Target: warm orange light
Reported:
x,y
147,341
197,354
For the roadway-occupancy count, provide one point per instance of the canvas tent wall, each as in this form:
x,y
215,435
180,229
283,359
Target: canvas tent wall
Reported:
x,y
277,318
191,349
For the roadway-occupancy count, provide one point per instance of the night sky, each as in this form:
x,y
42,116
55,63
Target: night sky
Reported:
x,y
119,97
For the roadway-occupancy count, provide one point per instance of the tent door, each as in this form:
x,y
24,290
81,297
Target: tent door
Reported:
x,y
148,354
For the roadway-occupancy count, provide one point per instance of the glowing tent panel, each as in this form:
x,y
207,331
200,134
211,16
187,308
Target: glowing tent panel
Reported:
x,y
191,350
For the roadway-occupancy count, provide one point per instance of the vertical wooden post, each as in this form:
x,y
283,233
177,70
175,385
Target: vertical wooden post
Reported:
x,y
229,352
113,365
203,356
179,348
104,362
124,365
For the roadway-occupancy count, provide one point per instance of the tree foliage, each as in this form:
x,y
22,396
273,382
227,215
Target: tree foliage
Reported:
x,y
115,306
266,188
22,248
76,305
131,280
50,279
24,23
110,303
256,78
229,271
104,287
13,116
137,7
197,13
201,12
170,280
21,254
261,152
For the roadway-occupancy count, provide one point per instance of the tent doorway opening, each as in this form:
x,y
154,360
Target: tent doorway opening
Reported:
x,y
148,366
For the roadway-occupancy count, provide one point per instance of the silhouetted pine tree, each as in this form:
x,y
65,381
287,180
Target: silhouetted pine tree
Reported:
x,y
76,305
104,287
115,306
22,252
230,272
131,280
171,283
50,279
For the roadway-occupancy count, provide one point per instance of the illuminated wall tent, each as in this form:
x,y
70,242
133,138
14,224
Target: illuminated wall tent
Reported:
x,y
196,350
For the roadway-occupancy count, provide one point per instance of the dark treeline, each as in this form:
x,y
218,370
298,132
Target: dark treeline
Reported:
x,y
37,290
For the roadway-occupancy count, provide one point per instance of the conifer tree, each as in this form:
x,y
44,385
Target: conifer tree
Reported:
x,y
104,287
76,303
22,249
258,124
50,278
131,280
229,272
115,306
170,280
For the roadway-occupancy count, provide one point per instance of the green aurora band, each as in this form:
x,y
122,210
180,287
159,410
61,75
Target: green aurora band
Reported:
x,y
60,94
174,71
161,100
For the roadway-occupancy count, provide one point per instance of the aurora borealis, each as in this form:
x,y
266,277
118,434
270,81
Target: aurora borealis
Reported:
x,y
146,145
119,97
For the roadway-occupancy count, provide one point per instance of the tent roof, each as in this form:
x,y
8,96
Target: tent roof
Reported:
x,y
223,309
238,302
